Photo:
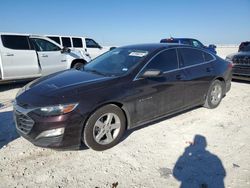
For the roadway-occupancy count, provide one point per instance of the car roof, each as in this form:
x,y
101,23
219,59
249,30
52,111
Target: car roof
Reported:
x,y
22,34
152,46
41,35
178,38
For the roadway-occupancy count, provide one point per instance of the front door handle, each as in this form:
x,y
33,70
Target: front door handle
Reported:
x,y
44,55
9,54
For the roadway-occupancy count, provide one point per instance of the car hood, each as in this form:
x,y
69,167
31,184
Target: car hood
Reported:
x,y
238,54
60,84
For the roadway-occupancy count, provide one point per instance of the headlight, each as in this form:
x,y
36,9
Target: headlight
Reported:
x,y
55,110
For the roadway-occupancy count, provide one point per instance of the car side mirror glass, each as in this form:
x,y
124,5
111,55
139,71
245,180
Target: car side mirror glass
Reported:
x,y
65,50
151,73
112,48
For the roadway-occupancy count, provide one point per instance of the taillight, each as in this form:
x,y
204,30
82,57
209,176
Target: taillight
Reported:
x,y
230,65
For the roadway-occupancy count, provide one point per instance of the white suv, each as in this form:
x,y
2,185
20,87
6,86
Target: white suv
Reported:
x,y
24,56
80,43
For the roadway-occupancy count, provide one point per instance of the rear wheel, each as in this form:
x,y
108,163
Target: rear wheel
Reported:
x,y
214,95
104,128
78,66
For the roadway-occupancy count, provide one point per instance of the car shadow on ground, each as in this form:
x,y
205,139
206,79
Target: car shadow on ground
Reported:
x,y
197,167
7,128
241,81
9,86
130,131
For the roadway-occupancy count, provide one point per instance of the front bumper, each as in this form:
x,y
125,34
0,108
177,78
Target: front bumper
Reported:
x,y
30,126
241,72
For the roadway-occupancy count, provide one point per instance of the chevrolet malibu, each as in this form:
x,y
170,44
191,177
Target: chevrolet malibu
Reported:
x,y
122,89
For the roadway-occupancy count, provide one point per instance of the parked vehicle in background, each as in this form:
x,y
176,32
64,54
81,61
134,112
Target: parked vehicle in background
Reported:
x,y
122,89
241,62
191,42
80,43
24,56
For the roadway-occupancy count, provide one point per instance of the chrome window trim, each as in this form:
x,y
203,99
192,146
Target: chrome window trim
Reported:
x,y
177,53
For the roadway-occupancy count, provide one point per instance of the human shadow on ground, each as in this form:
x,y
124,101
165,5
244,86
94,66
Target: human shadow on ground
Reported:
x,y
199,168
7,128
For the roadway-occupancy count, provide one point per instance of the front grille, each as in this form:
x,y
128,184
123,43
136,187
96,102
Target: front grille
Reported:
x,y
241,60
241,70
23,122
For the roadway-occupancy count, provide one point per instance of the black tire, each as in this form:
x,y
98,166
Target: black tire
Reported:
x,y
210,101
78,66
89,131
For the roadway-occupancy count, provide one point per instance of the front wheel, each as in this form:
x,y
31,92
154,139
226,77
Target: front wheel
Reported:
x,y
104,128
214,95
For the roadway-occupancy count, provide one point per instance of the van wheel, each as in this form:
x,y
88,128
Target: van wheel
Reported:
x,y
104,128
78,66
214,95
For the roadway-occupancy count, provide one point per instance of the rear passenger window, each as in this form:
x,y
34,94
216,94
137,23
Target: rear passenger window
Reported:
x,y
165,61
191,56
186,41
77,42
56,39
15,42
66,42
44,45
207,56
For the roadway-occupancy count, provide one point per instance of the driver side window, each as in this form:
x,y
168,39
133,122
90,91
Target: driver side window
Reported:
x,y
44,45
90,43
165,61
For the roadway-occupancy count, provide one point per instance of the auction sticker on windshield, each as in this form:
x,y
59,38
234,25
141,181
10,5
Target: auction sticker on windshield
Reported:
x,y
138,53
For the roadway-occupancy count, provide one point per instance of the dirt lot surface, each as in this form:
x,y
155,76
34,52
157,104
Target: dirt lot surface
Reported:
x,y
160,155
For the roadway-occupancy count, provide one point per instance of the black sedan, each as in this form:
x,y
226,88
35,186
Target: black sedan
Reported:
x,y
122,89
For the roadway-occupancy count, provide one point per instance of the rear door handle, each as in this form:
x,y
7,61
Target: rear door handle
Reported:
x,y
180,77
44,55
209,69
9,54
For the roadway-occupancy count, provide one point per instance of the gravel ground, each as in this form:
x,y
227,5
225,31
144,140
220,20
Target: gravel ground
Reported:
x,y
198,147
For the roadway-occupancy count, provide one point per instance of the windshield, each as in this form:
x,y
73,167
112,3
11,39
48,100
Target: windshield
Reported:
x,y
245,47
116,62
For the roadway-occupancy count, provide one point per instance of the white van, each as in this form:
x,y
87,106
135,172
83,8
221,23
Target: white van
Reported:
x,y
24,56
80,43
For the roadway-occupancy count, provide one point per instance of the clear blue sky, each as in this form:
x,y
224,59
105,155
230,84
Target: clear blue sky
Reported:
x,y
119,22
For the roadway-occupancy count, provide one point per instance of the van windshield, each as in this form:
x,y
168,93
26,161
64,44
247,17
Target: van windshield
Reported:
x,y
116,62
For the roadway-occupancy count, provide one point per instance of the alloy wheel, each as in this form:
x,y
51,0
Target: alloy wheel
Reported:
x,y
106,128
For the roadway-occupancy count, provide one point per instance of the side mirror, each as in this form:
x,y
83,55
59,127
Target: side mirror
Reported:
x,y
65,50
211,46
151,73
112,48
